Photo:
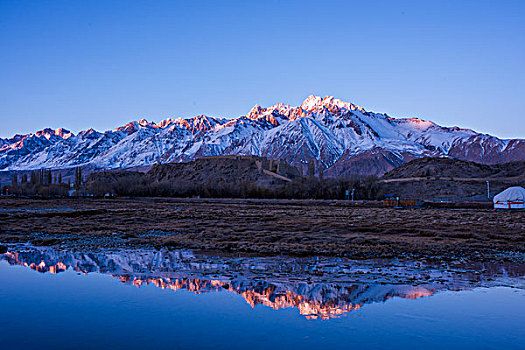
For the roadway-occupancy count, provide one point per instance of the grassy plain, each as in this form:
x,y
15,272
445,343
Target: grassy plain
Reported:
x,y
266,227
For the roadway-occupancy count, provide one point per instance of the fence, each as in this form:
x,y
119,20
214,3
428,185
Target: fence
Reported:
x,y
399,203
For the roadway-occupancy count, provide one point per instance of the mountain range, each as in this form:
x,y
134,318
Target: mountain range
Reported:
x,y
338,136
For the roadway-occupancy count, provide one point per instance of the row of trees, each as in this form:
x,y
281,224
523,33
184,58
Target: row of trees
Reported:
x,y
37,177
47,183
42,182
137,184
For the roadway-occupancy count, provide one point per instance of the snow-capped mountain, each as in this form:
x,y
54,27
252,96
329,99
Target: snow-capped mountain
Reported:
x,y
340,136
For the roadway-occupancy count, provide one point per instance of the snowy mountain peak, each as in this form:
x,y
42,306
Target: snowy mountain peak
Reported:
x,y
144,122
166,122
133,126
312,103
49,133
63,133
255,110
89,133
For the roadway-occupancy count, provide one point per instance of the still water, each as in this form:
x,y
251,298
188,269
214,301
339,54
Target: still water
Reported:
x,y
122,299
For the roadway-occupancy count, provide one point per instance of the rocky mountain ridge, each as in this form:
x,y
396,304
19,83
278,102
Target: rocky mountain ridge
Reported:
x,y
341,137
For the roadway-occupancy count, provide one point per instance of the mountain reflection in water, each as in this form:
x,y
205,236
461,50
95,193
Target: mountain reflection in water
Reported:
x,y
317,287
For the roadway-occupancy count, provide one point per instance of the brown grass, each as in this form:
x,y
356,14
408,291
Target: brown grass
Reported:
x,y
272,226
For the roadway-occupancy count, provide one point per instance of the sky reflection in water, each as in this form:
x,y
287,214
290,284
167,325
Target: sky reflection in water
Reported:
x,y
257,303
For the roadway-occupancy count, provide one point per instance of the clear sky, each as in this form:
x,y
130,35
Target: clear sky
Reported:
x,y
100,64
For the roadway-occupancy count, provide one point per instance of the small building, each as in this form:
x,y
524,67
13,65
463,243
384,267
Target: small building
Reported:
x,y
513,198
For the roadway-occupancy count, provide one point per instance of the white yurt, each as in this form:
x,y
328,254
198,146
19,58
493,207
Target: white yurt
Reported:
x,y
511,198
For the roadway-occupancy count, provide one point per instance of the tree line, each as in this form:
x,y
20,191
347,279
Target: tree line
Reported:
x,y
43,183
141,185
48,183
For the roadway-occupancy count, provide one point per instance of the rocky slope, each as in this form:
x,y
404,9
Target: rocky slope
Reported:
x,y
452,179
339,136
217,176
445,167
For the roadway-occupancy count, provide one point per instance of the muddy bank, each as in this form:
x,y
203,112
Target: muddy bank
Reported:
x,y
266,227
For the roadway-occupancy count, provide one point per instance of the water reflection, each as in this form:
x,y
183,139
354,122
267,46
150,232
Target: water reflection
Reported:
x,y
316,287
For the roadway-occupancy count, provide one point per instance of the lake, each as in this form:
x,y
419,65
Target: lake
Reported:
x,y
126,299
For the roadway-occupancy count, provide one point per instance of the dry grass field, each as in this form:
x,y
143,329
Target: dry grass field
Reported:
x,y
266,227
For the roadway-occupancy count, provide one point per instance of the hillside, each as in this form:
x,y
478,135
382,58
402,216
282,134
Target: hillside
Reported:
x,y
338,136
209,176
447,167
232,169
451,179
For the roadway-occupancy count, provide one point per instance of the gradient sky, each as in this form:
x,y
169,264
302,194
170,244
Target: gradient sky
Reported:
x,y
100,64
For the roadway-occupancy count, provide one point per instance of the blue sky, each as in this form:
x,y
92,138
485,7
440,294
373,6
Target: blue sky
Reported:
x,y
82,64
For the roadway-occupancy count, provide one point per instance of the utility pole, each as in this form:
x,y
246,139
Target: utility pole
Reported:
x,y
488,189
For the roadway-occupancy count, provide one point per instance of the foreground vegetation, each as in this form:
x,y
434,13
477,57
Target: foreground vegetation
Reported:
x,y
266,227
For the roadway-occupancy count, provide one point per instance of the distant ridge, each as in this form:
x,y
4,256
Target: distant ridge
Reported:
x,y
445,178
452,168
339,136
